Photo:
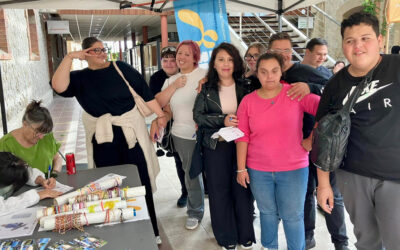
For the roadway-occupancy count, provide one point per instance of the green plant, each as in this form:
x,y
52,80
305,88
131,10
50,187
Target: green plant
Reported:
x,y
371,7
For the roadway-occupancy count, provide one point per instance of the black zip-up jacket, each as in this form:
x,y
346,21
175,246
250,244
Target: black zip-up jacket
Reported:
x,y
207,112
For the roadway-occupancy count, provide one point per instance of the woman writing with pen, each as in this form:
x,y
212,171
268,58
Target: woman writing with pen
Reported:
x,y
34,143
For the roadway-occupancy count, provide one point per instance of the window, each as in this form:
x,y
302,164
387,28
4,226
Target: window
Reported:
x,y
32,36
4,48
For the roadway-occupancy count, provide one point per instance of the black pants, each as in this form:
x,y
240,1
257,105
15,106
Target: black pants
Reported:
x,y
335,221
231,206
118,153
180,172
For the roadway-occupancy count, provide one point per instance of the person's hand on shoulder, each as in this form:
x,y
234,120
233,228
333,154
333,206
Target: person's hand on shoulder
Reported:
x,y
48,193
201,83
298,90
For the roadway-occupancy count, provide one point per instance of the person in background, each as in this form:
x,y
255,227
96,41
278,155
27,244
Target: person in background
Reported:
x,y
15,173
116,132
168,69
253,52
177,99
271,156
231,205
338,66
315,56
369,177
395,49
34,142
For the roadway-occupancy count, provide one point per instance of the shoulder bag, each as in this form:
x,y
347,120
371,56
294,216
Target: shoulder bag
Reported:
x,y
331,135
140,103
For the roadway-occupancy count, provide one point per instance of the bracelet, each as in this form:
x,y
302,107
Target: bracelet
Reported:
x,y
242,170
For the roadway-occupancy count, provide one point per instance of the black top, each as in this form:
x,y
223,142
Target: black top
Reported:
x,y
157,81
373,148
252,83
103,91
315,80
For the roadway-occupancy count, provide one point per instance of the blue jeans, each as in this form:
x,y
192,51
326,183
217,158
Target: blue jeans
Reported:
x,y
280,195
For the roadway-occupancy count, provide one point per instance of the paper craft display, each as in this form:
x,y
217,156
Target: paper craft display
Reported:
x,y
64,223
92,187
92,206
124,193
96,206
228,133
18,224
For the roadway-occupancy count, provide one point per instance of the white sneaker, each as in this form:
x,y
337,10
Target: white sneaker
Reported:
x,y
231,248
247,246
158,240
191,223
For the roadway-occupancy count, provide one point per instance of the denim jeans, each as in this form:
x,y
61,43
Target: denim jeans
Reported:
x,y
280,195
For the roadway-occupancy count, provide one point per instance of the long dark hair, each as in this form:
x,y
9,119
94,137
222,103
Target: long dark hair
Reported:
x,y
35,114
238,66
13,171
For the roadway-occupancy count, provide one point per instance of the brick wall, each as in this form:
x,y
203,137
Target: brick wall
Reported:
x,y
23,79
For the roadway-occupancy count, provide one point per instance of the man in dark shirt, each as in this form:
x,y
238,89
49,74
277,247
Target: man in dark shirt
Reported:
x,y
315,55
369,178
169,68
304,80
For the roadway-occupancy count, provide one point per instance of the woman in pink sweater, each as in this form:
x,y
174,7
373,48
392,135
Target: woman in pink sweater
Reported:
x,y
271,156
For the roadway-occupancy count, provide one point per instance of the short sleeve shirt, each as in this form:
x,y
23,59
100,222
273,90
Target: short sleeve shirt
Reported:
x,y
38,156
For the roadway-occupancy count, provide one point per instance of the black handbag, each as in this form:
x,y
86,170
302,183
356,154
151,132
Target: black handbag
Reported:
x,y
166,143
332,133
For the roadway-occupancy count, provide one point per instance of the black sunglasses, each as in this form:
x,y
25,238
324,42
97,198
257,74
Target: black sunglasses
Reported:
x,y
168,49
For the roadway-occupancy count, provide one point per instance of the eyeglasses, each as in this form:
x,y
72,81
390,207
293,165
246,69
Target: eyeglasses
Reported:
x,y
98,51
250,56
168,49
36,132
280,51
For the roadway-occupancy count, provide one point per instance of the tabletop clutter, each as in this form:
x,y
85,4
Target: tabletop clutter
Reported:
x,y
102,202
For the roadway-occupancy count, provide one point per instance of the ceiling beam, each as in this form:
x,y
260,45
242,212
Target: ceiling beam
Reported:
x,y
114,12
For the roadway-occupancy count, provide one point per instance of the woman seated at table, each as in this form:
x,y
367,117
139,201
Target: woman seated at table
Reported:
x,y
271,156
14,173
33,142
231,205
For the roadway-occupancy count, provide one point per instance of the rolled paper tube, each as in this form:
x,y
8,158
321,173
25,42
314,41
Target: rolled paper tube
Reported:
x,y
95,218
77,206
127,193
96,209
92,187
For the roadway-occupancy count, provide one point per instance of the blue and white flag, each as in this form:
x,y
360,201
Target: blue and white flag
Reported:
x,y
204,22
